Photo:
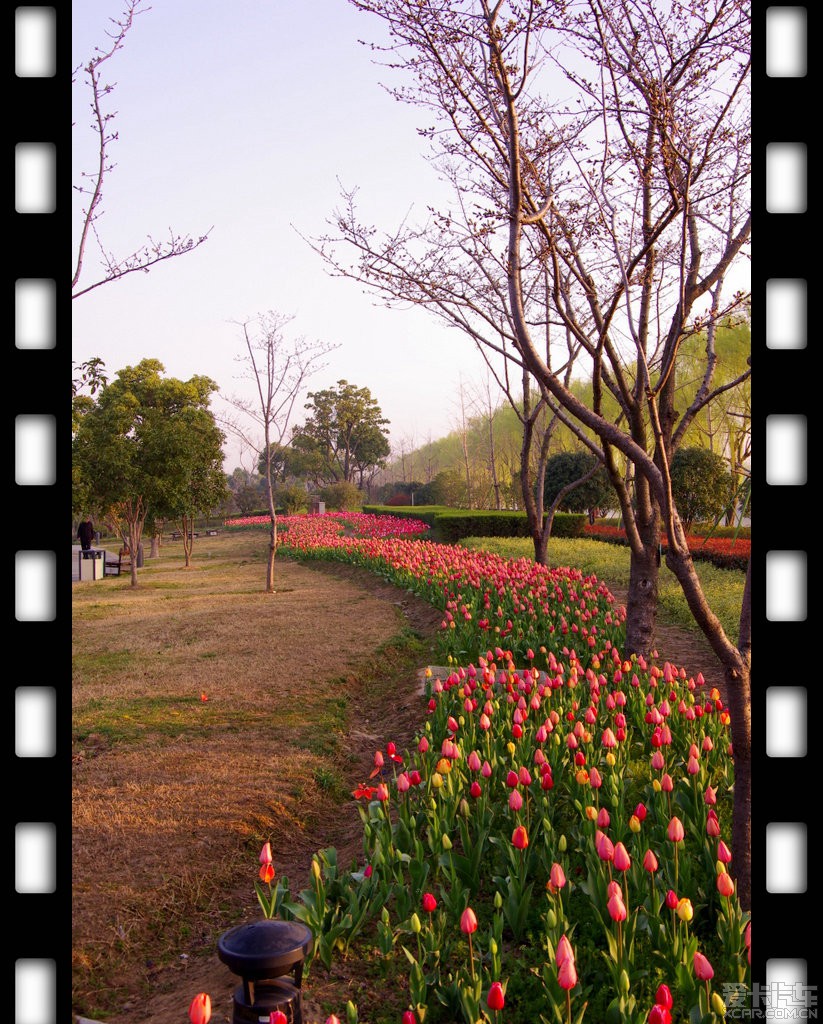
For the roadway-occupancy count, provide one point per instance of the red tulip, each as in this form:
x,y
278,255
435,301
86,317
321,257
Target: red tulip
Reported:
x,y
266,872
520,838
663,996
278,1017
702,968
468,921
496,999
475,789
659,1015
429,902
200,1009
408,1018
671,899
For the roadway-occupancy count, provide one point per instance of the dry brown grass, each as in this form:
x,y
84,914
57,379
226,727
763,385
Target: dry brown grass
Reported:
x,y
173,795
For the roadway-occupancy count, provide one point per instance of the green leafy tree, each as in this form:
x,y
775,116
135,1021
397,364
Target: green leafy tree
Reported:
x,y
127,452
702,485
344,435
193,450
580,481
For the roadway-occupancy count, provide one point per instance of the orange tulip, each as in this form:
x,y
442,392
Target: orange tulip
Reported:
x,y
200,1009
520,837
725,884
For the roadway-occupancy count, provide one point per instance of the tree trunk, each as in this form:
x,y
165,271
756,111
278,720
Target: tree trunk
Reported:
x,y
270,561
641,606
187,523
154,551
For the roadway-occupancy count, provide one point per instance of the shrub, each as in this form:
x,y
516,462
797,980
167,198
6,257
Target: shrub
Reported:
x,y
342,496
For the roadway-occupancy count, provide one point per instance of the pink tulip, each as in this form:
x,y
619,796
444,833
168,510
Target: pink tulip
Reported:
x,y
564,950
265,854
605,847
675,831
609,739
622,860
603,819
724,854
666,783
468,921
710,796
557,877
515,800
650,861
567,975
702,968
617,908
474,761
408,1018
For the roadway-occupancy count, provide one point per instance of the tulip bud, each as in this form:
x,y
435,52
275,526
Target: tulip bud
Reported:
x,y
498,900
414,921
718,1005
445,842
624,982
562,843
551,918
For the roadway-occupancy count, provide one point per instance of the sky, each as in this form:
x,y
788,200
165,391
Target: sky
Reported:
x,y
244,120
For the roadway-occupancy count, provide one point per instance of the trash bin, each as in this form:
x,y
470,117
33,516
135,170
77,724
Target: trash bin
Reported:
x,y
92,564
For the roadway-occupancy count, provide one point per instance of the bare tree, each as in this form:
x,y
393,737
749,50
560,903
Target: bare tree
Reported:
x,y
278,369
92,185
606,145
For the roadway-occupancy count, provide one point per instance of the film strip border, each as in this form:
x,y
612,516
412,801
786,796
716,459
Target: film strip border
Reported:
x,y
786,965
38,780
785,698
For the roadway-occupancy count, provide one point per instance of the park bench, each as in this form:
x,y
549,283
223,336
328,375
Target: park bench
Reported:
x,y
114,566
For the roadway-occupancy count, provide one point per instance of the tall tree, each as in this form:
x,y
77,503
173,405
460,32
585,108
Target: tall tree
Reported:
x,y
91,187
344,433
606,146
141,445
278,369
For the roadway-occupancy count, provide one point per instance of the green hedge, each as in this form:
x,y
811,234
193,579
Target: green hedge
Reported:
x,y
450,525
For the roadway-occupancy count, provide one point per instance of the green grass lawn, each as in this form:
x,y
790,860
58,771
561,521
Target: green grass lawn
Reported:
x,y
610,563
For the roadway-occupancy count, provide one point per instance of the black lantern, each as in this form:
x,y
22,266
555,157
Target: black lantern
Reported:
x,y
268,956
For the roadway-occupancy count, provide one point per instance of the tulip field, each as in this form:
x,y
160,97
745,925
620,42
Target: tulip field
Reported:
x,y
554,846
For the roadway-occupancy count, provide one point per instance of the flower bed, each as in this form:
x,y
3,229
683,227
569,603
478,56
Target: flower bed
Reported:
x,y
724,552
554,845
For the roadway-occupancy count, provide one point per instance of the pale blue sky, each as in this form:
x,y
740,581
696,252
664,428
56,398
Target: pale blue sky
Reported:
x,y
244,116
